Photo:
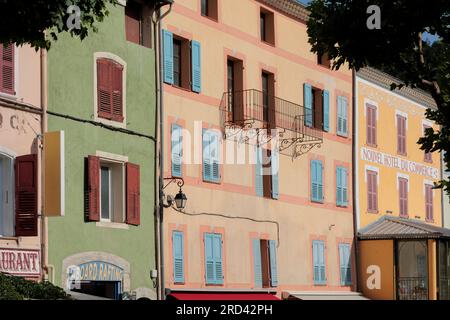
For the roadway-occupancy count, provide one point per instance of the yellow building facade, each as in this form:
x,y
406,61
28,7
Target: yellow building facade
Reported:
x,y
398,213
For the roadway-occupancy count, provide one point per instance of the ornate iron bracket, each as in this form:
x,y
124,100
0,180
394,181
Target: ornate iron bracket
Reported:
x,y
180,181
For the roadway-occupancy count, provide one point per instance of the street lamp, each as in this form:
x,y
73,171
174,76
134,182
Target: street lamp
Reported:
x,y
180,198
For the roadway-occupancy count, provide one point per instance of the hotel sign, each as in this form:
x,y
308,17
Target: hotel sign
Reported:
x,y
391,161
20,262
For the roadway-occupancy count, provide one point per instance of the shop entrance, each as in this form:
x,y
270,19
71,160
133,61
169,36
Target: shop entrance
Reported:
x,y
104,289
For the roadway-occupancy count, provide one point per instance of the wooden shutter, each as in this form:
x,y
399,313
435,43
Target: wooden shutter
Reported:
x,y
429,202
218,263
403,192
326,110
207,161
314,181
104,92
371,123
26,190
401,135
196,67
344,180
168,56
133,194
259,185
7,69
339,187
209,259
93,212
319,175
257,266
345,264
215,156
342,127
319,272
133,22
117,92
178,256
176,150
275,167
273,263
307,92
372,191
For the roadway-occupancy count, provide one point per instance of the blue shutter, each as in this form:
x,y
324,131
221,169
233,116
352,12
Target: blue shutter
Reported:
x,y
257,267
344,179
339,195
210,276
207,167
168,56
215,156
316,266
345,264
326,110
178,256
196,67
314,185
320,192
273,263
339,115
344,116
218,265
319,275
307,92
177,150
275,166
259,173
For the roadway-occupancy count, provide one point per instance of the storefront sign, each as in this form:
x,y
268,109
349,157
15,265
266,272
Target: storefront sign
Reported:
x,y
20,262
100,271
391,161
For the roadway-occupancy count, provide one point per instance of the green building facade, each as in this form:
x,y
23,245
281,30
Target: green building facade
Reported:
x,y
101,93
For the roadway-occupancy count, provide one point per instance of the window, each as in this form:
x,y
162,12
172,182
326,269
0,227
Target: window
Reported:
x,y
372,191
235,84
182,62
428,157
18,196
401,135
429,202
211,156
345,264
110,87
341,187
317,107
177,151
268,98
178,256
209,9
371,125
213,258
112,191
138,23
403,196
317,181
265,263
7,77
342,117
267,26
319,269
322,59
266,173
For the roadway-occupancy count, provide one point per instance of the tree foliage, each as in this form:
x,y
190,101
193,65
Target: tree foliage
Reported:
x,y
339,27
24,22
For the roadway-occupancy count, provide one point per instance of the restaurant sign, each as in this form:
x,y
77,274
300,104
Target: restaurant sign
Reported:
x,y
391,161
20,262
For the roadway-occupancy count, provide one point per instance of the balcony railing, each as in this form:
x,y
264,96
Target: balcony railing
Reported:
x,y
258,110
412,288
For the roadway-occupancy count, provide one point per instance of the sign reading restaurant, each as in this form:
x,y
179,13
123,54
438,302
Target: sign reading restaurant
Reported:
x,y
20,262
391,161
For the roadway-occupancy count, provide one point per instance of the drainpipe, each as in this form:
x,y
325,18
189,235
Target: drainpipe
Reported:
x,y
43,219
354,177
160,147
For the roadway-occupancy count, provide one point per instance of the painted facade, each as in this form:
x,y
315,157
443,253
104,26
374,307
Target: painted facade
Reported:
x,y
299,243
394,181
20,156
102,95
445,200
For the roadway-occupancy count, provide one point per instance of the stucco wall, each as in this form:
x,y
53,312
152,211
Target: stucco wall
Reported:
x,y
71,83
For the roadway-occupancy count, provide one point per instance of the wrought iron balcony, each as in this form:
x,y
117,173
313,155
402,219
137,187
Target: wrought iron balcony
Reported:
x,y
254,109
412,288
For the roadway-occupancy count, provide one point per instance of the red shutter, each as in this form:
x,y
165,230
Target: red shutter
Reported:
x,y
372,191
104,91
7,68
403,192
133,194
401,135
26,189
93,212
429,202
371,123
133,22
117,92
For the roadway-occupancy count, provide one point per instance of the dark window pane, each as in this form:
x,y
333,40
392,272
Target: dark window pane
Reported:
x,y
263,26
205,8
177,62
105,193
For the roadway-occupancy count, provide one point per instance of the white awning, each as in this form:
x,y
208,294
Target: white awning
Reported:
x,y
322,295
